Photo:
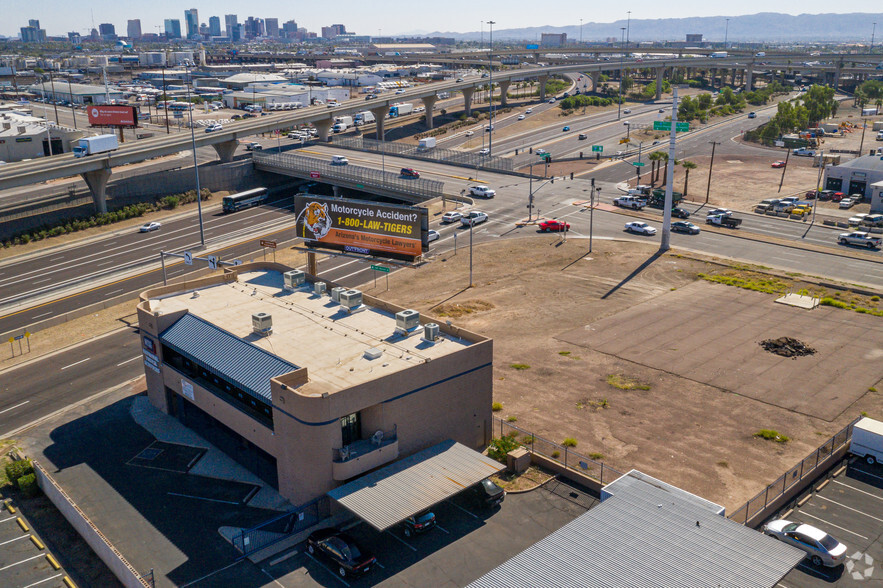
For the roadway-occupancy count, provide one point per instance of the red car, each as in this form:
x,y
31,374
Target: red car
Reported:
x,y
407,172
778,164
837,196
554,225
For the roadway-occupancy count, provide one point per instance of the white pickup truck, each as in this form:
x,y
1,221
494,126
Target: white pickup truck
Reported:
x,y
482,191
860,238
632,202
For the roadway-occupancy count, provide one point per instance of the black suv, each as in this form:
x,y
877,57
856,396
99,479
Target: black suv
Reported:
x,y
419,523
489,493
341,549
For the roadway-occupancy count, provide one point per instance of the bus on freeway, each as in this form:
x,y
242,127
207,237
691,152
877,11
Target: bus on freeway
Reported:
x,y
245,199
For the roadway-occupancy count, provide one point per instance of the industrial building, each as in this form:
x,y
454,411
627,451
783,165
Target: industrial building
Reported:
x,y
856,176
310,385
77,93
23,136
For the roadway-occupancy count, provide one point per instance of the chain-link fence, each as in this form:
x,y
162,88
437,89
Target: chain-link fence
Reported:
x,y
566,456
249,541
807,469
449,156
366,178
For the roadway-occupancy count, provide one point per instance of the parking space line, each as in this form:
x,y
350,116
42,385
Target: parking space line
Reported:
x,y
326,568
275,581
201,498
210,574
814,571
42,581
832,524
866,473
850,508
857,490
16,539
442,529
8,519
377,563
463,509
20,562
14,407
402,541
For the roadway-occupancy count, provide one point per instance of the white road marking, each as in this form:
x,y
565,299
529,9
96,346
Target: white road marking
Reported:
x,y
344,582
114,292
870,474
16,539
76,363
57,258
39,315
857,490
20,562
850,508
201,498
128,360
210,574
14,407
442,529
402,541
463,509
832,524
43,581
380,565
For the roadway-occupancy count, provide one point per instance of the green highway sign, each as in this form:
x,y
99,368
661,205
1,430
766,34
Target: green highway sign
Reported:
x,y
597,148
638,163
380,268
665,125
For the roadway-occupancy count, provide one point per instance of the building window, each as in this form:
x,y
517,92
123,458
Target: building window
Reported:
x,y
351,428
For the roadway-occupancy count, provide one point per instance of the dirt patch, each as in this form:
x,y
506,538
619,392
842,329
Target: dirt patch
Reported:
x,y
459,309
528,480
787,347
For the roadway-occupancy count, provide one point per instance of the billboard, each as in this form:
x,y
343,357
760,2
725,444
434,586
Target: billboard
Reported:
x,y
106,115
359,226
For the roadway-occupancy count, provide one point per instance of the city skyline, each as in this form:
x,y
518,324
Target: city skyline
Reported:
x,y
64,18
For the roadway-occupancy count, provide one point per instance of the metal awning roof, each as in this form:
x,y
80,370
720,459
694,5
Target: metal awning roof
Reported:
x,y
227,356
648,533
408,486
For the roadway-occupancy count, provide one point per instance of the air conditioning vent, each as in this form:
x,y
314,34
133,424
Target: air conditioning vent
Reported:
x,y
319,288
262,323
335,293
373,353
351,299
407,320
430,332
293,279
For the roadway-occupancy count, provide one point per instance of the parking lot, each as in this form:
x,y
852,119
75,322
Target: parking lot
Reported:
x,y
22,563
850,508
468,541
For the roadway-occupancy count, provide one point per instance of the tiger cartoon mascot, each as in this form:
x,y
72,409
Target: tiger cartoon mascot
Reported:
x,y
316,219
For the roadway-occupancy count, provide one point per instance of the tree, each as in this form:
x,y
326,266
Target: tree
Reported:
x,y
687,165
818,101
655,158
873,91
626,83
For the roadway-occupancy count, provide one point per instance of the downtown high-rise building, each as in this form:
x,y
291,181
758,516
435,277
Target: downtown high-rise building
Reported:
x,y
231,23
173,28
214,26
254,27
133,29
191,23
289,29
107,31
272,27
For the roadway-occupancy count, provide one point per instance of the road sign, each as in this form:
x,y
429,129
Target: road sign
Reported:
x,y
17,337
638,163
665,125
238,262
314,174
270,244
213,262
380,268
531,46
623,140
597,148
178,115
188,258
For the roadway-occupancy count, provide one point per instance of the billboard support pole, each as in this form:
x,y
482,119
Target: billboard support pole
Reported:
x,y
312,266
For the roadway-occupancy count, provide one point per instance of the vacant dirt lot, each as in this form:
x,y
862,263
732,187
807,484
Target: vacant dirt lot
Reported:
x,y
637,413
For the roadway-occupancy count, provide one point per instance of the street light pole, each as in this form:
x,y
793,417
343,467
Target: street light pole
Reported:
x,y
665,243
726,33
628,27
580,32
873,32
490,139
710,166
621,76
195,162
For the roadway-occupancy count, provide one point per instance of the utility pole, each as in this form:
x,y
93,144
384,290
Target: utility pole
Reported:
x,y
73,105
665,244
621,72
710,166
165,98
628,27
726,33
195,162
862,144
490,139
784,167
54,96
873,32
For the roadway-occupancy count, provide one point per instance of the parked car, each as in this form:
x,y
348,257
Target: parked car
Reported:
x,y
451,216
856,220
151,226
419,523
640,228
342,550
824,194
821,548
685,227
432,235
778,164
474,217
837,196
482,191
752,115
847,202
489,493
554,226
408,172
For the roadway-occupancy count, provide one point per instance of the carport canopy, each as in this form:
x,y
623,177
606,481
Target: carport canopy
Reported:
x,y
393,493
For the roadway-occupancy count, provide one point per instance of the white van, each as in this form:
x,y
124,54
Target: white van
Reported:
x,y
339,160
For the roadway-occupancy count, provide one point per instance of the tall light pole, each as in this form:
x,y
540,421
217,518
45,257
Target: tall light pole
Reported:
x,y
490,139
580,32
628,27
195,162
481,43
726,33
665,243
873,32
621,76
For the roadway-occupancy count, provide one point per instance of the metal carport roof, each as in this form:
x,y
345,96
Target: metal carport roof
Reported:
x,y
393,493
646,534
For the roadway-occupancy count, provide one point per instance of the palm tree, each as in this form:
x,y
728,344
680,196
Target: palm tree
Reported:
x,y
654,158
687,165
661,166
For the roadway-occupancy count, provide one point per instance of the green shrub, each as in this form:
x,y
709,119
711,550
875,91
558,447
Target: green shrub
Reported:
x,y
596,456
625,383
511,419
556,454
528,439
28,485
497,406
500,446
17,469
828,301
569,442
520,366
772,435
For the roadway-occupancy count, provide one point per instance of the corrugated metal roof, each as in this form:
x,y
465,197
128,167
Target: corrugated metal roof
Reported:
x,y
226,355
408,486
644,535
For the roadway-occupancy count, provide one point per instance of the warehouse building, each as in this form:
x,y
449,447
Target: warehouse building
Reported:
x,y
23,136
855,176
77,93
309,385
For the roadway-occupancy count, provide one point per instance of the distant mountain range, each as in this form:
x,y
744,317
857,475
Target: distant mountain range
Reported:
x,y
765,27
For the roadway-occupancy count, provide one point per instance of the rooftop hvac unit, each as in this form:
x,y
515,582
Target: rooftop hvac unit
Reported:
x,y
430,332
319,288
373,353
407,320
293,279
262,323
335,293
351,299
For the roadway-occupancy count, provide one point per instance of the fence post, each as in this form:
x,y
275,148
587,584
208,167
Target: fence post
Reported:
x,y
833,440
801,470
602,474
501,428
532,439
765,497
818,451
784,482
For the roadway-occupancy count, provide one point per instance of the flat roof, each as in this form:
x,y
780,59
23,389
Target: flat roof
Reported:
x,y
393,493
311,331
645,535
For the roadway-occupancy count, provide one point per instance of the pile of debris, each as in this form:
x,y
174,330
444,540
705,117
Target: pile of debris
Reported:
x,y
787,347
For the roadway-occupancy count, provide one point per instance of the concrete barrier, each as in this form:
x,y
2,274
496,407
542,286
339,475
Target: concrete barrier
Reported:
x,y
102,547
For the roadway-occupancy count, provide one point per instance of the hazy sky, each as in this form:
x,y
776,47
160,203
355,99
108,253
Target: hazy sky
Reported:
x,y
368,17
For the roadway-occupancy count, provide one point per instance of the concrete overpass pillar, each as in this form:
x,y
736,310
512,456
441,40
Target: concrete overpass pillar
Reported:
x,y
336,191
748,75
380,120
467,100
226,150
542,80
97,182
504,89
429,104
324,128
659,72
596,75
837,77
